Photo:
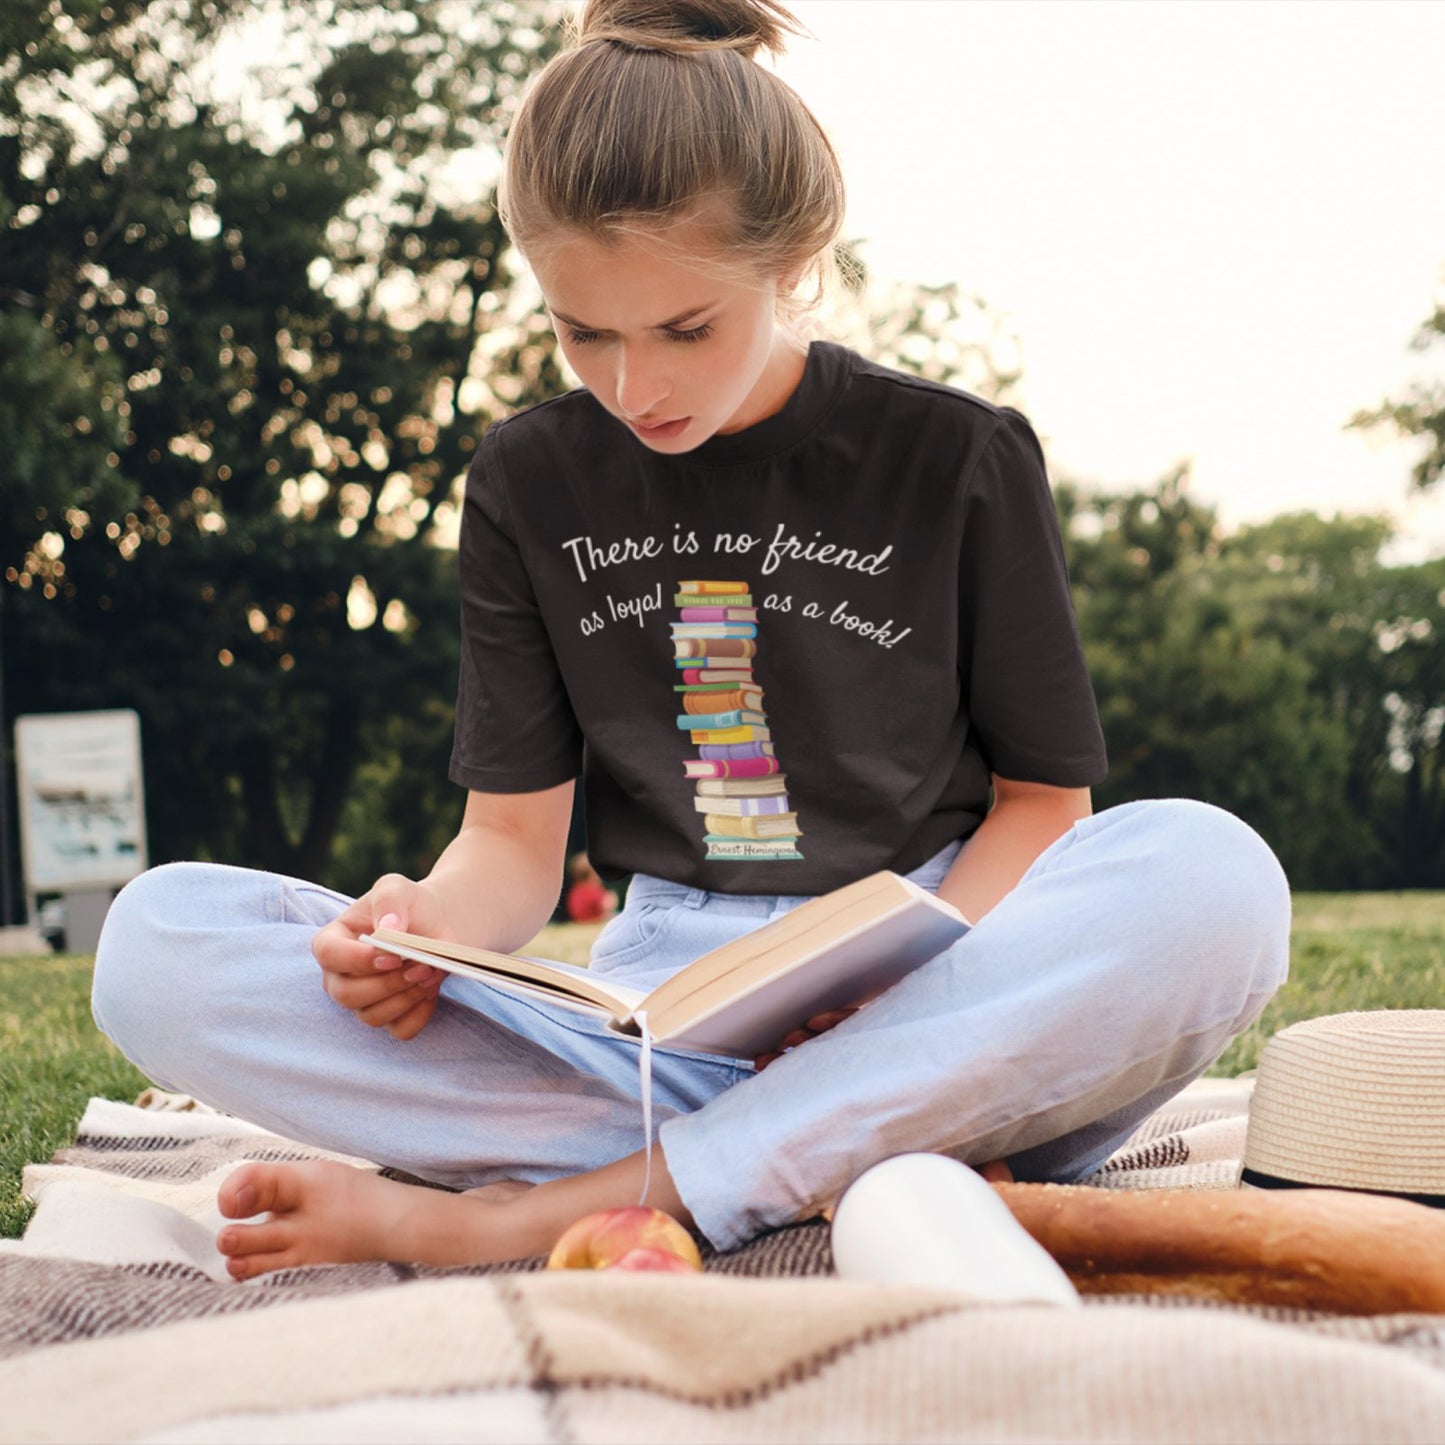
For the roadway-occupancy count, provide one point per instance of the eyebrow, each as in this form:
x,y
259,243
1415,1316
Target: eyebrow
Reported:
x,y
691,314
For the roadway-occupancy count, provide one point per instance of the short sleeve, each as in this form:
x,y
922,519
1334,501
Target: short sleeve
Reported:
x,y
515,729
1020,656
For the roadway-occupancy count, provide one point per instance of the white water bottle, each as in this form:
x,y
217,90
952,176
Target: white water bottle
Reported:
x,y
925,1219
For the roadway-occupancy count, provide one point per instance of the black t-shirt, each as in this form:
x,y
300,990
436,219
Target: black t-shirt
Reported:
x,y
868,586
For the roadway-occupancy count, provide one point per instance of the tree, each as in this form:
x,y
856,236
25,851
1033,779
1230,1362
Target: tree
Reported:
x,y
1421,412
1282,671
251,335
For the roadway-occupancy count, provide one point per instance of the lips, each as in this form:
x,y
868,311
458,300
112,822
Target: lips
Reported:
x,y
660,431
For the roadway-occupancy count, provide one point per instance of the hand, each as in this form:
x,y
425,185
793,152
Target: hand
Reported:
x,y
383,991
818,1024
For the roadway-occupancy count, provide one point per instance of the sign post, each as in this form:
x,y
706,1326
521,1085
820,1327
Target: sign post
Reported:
x,y
82,812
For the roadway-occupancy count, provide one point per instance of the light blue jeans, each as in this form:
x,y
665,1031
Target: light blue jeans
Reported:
x,y
1113,974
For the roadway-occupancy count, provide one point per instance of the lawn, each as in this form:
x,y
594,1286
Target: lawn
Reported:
x,y
1350,951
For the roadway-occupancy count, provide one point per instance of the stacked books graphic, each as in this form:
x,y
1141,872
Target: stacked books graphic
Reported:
x,y
742,791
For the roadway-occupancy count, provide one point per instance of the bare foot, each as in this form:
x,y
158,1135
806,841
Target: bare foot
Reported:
x,y
322,1212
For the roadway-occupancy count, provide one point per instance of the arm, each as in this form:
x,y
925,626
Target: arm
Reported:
x,y
1024,820
516,843
495,885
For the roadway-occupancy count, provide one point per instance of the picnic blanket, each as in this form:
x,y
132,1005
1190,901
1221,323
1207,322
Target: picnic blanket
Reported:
x,y
118,1323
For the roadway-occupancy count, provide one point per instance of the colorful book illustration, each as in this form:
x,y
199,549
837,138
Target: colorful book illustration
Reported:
x,y
692,648
745,734
714,629
735,718
778,826
719,614
715,696
730,767
749,850
729,751
743,787
740,787
731,599
693,676
741,807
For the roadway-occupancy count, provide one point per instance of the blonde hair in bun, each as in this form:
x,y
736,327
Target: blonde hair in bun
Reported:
x,y
659,115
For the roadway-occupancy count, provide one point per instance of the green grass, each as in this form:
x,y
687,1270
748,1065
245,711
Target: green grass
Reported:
x,y
1350,951
52,1060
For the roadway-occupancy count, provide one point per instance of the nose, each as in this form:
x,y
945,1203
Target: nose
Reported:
x,y
642,383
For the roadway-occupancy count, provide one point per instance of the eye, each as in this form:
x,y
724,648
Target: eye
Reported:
x,y
580,338
698,333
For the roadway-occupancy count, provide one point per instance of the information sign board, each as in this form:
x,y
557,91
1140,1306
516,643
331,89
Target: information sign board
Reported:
x,y
82,801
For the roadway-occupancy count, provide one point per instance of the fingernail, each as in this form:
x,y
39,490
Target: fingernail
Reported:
x,y
421,973
389,920
247,1200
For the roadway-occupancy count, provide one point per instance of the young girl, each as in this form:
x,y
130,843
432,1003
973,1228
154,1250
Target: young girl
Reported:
x,y
865,563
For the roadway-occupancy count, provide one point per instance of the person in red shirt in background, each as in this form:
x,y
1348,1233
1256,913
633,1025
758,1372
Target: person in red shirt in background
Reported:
x,y
589,900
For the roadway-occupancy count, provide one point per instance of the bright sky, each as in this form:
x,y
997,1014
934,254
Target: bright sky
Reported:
x,y
1214,226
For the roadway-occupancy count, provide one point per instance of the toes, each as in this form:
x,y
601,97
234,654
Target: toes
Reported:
x,y
238,1241
258,1189
249,1266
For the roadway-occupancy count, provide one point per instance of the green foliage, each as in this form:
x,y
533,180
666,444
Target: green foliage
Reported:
x,y
1283,672
249,337
1420,412
943,335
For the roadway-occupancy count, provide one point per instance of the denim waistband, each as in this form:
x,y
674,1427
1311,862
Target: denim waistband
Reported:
x,y
661,893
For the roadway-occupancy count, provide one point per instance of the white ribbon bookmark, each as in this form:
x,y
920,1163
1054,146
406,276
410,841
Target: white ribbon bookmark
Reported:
x,y
644,1074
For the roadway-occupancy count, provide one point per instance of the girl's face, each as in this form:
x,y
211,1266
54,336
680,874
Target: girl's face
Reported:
x,y
674,350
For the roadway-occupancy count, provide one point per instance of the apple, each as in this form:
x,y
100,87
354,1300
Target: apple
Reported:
x,y
661,1260
604,1239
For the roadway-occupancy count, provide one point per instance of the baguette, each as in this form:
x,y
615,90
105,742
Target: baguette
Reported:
x,y
1314,1249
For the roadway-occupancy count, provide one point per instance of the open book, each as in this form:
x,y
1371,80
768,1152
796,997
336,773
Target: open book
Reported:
x,y
740,999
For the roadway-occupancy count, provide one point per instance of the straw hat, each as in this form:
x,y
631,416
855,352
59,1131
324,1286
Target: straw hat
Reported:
x,y
1352,1101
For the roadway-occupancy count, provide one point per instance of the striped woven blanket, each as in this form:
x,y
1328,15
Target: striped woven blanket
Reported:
x,y
117,1323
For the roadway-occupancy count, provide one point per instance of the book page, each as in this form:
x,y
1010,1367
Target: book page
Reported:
x,y
775,944
561,981
746,1019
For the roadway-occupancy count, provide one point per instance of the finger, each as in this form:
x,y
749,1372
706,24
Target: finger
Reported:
x,y
763,1060
792,1040
821,1023
340,951
386,962
337,946
357,993
391,1010
411,1023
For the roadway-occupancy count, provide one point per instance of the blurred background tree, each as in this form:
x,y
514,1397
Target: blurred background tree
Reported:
x,y
1420,413
1283,671
255,314
255,311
